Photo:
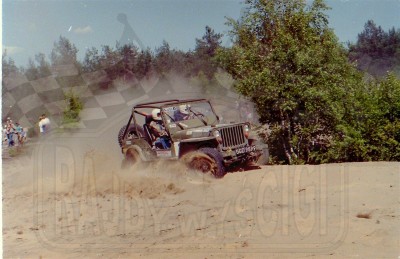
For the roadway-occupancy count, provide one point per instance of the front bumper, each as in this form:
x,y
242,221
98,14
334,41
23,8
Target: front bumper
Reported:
x,y
237,156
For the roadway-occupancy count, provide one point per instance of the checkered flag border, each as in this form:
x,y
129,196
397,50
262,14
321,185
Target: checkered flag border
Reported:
x,y
24,101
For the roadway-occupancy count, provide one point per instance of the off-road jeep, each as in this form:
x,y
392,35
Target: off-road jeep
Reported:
x,y
207,144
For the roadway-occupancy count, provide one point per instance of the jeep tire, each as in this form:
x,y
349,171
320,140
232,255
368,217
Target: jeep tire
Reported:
x,y
131,158
131,131
208,160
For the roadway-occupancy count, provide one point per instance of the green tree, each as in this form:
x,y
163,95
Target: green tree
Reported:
x,y
64,52
38,67
163,58
144,64
205,50
109,60
91,61
208,44
108,56
8,65
381,128
9,69
32,71
43,65
290,63
376,51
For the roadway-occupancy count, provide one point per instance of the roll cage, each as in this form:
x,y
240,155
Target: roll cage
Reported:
x,y
153,105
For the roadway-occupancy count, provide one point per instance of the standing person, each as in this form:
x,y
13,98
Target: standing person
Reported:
x,y
5,133
40,125
10,133
20,134
44,124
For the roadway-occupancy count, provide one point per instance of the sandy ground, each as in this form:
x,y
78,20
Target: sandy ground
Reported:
x,y
68,198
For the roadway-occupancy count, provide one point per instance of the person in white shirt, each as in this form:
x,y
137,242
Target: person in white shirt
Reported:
x,y
44,124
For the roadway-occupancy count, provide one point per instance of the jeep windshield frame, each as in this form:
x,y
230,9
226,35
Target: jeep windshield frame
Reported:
x,y
200,113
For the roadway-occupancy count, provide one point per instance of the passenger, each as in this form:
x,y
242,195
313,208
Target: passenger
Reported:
x,y
182,113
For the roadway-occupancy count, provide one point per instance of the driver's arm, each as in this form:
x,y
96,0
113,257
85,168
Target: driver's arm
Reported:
x,y
154,127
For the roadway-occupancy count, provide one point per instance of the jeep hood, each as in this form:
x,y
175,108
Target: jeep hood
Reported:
x,y
202,131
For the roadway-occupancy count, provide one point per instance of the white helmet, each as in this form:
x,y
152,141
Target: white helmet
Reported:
x,y
183,108
156,114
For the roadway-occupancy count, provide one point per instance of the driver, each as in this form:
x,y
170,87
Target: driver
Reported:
x,y
158,130
182,113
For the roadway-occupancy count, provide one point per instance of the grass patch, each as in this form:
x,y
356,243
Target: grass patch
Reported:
x,y
15,151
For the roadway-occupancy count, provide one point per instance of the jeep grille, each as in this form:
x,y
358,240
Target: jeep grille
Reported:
x,y
232,136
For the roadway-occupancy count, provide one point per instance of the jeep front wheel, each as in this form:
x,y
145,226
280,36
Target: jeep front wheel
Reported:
x,y
207,160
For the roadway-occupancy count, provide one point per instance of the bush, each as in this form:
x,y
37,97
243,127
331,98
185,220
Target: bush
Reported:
x,y
318,106
74,107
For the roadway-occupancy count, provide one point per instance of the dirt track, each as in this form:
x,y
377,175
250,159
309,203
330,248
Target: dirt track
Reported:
x,y
69,198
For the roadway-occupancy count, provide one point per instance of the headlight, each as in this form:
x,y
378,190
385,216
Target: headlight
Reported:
x,y
217,136
246,129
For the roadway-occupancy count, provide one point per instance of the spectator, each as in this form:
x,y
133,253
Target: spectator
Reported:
x,y
5,133
10,133
40,125
44,124
20,133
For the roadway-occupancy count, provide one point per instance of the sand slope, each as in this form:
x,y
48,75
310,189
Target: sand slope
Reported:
x,y
69,198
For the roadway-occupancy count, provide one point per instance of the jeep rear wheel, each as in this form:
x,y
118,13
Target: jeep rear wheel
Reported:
x,y
131,131
131,158
207,160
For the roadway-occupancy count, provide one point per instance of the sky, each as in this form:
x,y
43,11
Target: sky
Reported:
x,y
30,27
